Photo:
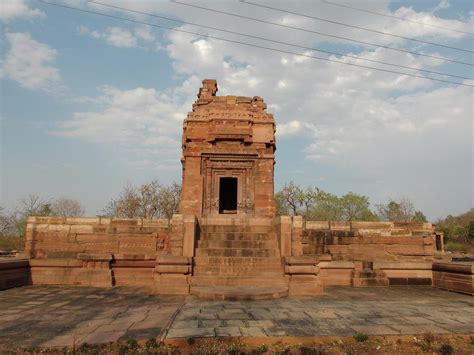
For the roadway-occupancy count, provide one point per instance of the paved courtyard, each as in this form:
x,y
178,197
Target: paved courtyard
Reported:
x,y
59,316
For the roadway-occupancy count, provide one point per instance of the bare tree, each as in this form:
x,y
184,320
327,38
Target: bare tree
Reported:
x,y
291,198
170,197
33,205
66,207
126,205
149,200
6,221
397,211
149,195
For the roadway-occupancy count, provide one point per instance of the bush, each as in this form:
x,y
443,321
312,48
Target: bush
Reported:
x,y
446,349
9,243
261,349
151,344
133,344
456,247
361,337
304,350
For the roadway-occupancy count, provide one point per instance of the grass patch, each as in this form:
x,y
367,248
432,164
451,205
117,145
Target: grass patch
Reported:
x,y
361,337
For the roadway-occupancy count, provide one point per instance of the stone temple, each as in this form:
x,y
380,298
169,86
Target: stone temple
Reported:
x,y
227,243
228,156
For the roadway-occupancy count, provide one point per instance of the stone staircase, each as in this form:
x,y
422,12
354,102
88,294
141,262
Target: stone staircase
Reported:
x,y
238,258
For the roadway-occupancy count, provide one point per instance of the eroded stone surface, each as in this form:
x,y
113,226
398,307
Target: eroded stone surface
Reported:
x,y
61,316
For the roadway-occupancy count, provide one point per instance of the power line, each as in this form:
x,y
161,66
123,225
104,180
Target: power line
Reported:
x,y
357,27
320,33
395,17
253,45
279,42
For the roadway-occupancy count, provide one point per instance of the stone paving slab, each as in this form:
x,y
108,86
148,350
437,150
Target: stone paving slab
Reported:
x,y
61,316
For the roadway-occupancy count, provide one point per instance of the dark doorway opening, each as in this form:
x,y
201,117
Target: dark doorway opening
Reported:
x,y
227,195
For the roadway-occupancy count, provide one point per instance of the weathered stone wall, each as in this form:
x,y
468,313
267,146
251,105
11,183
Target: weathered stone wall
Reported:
x,y
14,273
158,254
360,253
58,237
375,241
100,251
458,277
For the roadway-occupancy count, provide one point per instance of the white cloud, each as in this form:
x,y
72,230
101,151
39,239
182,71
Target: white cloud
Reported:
x,y
121,37
18,9
387,127
144,33
31,64
360,120
143,122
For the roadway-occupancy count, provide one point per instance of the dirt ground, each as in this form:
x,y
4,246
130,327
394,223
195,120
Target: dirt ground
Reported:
x,y
359,344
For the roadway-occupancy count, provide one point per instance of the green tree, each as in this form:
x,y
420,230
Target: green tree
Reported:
x,y
419,217
355,207
316,204
470,231
326,207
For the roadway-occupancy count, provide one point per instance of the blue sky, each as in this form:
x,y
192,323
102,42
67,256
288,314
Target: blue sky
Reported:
x,y
89,103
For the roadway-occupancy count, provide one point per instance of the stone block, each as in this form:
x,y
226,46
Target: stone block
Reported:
x,y
171,284
173,269
173,260
318,225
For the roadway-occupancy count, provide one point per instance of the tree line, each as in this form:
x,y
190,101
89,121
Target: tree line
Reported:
x,y
155,200
316,204
148,200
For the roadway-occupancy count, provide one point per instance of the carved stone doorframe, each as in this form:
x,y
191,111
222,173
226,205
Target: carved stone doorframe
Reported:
x,y
242,168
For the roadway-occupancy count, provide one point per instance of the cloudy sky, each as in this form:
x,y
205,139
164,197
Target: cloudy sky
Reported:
x,y
91,102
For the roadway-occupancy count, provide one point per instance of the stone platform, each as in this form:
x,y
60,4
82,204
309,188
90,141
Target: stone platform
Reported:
x,y
61,316
239,293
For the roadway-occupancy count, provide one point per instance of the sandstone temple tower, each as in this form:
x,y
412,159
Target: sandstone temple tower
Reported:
x,y
228,156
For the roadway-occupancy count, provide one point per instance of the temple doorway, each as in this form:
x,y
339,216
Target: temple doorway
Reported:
x,y
228,195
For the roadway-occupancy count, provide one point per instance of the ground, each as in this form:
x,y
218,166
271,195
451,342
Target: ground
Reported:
x,y
60,316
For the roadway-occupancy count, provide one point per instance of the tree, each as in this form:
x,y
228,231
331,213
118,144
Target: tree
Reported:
x,y
316,204
419,217
470,231
149,200
6,221
397,211
458,228
290,198
33,205
66,207
127,205
325,207
169,200
355,207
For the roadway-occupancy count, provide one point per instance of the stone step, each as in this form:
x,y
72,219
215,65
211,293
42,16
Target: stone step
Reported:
x,y
236,229
238,270
258,281
264,244
232,293
237,252
237,221
237,261
238,236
